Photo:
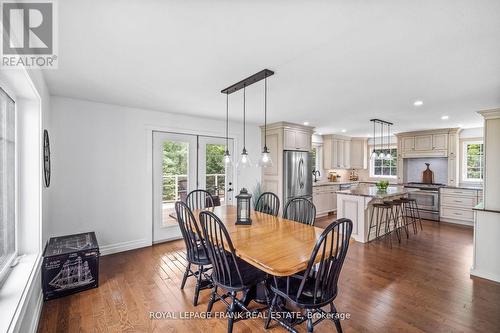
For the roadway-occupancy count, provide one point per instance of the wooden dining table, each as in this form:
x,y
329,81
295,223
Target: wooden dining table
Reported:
x,y
272,244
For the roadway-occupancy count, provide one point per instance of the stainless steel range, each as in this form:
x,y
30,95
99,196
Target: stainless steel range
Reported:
x,y
427,197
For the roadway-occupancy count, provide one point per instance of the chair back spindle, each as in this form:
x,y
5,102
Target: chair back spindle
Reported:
x,y
331,248
220,251
268,203
300,209
199,199
190,232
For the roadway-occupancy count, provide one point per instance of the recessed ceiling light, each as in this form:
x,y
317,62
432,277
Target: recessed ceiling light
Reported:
x,y
306,123
343,131
320,133
460,125
445,117
418,103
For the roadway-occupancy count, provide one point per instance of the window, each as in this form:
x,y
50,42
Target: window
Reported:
x,y
317,162
384,168
473,161
7,182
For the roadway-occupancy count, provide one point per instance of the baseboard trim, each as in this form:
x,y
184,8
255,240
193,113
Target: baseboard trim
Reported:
x,y
485,275
124,246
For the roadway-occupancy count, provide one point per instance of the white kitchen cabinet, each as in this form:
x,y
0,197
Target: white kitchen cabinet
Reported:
x,y
358,153
456,205
432,143
408,143
297,140
440,142
423,142
336,152
325,199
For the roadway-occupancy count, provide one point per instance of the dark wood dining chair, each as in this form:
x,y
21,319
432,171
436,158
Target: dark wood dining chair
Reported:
x,y
268,203
315,288
196,253
199,199
300,209
229,272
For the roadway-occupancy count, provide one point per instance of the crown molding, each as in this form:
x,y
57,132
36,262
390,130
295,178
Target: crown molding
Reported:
x,y
490,114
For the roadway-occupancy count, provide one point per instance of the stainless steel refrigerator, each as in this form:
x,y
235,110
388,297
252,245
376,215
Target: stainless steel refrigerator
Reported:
x,y
297,175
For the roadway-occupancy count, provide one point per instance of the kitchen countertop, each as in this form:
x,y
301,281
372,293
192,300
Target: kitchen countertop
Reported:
x,y
477,188
373,192
325,183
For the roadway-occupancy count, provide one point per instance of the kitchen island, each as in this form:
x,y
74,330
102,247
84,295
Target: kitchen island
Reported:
x,y
356,205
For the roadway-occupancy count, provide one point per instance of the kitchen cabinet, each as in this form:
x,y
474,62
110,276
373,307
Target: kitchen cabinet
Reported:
x,y
440,142
408,143
336,152
297,140
456,205
282,136
358,153
423,142
325,199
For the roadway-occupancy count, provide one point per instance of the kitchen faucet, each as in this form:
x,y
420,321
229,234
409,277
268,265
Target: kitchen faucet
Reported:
x,y
316,173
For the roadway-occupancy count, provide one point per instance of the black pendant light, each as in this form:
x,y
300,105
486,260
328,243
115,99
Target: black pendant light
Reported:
x,y
389,155
265,159
374,153
244,160
227,157
381,155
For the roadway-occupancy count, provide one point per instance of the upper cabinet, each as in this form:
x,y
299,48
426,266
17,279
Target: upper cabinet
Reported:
x,y
432,143
424,144
342,152
297,139
359,147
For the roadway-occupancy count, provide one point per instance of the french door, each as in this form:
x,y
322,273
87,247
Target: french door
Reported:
x,y
182,163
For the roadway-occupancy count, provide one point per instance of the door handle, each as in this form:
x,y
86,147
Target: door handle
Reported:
x,y
301,173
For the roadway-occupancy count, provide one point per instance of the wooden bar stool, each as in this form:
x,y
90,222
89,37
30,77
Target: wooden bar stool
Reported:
x,y
412,213
382,214
402,221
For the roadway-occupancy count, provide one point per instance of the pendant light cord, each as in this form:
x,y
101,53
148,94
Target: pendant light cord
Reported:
x,y
244,118
374,141
265,114
227,122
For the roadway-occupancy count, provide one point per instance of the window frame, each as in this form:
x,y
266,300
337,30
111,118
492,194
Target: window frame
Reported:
x,y
6,270
465,155
372,162
318,165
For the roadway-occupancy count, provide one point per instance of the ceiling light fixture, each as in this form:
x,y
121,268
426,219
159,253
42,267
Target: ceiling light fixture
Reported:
x,y
418,103
306,123
343,131
227,156
244,159
445,117
381,155
265,159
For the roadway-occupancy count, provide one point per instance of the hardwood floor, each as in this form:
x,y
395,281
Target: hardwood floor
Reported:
x,y
422,285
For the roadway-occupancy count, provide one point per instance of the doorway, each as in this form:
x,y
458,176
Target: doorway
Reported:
x,y
181,164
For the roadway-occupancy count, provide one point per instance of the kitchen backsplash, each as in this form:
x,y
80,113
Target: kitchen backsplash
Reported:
x,y
414,167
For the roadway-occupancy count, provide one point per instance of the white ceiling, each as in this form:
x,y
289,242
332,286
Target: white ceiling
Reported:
x,y
337,63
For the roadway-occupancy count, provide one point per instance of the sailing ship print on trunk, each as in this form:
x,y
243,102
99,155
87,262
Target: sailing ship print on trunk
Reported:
x,y
73,274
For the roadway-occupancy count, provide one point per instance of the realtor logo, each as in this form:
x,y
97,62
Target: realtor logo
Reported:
x,y
28,34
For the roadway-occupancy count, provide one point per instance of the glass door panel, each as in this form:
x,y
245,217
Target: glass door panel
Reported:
x,y
174,176
212,173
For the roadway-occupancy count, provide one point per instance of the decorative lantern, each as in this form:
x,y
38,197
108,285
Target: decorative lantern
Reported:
x,y
243,207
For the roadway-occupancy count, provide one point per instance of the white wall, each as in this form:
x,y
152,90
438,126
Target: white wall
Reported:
x,y
101,180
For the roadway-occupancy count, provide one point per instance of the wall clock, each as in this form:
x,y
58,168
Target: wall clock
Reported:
x,y
46,158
